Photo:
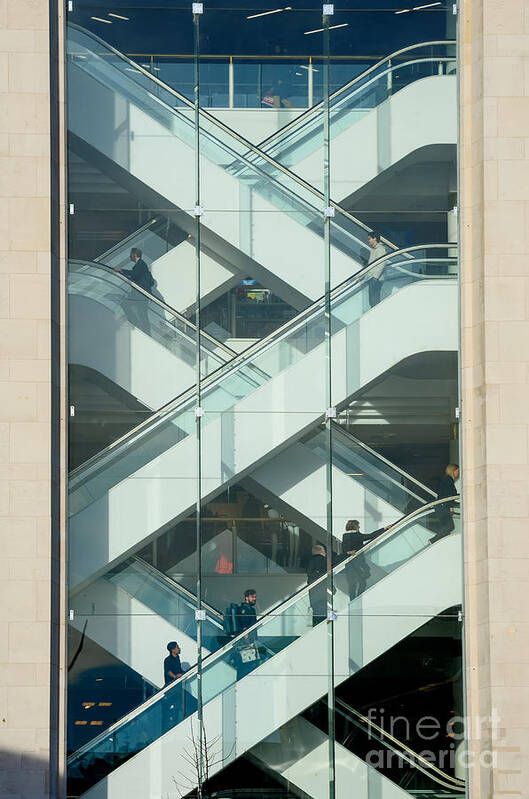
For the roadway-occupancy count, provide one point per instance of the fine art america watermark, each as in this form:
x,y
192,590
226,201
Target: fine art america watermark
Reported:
x,y
442,743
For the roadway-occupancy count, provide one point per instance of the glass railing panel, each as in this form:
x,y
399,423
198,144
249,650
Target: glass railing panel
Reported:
x,y
378,476
355,98
152,239
273,633
397,761
168,328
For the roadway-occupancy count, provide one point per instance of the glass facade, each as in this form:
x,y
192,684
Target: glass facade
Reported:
x,y
264,530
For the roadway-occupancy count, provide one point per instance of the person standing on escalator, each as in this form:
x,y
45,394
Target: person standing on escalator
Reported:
x,y
357,572
136,306
444,513
375,282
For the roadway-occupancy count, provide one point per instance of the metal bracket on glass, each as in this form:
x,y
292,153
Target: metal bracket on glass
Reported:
x,y
328,9
71,209
457,413
330,413
199,210
200,615
72,410
70,5
460,615
454,210
199,412
71,615
198,8
329,211
454,8
332,615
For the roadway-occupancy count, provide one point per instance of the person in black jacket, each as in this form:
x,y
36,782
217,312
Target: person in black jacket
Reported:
x,y
172,667
316,568
357,571
247,614
444,513
137,304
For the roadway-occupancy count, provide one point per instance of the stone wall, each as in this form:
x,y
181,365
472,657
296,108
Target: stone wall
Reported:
x,y
26,633
494,236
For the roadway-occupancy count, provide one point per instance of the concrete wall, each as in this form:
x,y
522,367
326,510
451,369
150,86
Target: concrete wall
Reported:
x,y
494,204
28,639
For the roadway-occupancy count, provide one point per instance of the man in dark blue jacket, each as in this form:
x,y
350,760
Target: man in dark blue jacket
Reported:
x,y
137,304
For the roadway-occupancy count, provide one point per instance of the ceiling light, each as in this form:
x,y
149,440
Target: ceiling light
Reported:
x,y
117,16
330,28
403,11
266,13
99,19
428,5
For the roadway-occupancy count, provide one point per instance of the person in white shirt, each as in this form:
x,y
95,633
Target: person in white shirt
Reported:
x,y
377,251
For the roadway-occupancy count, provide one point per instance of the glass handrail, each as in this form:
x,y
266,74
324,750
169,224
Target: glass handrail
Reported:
x,y
219,142
280,628
403,751
419,487
376,474
103,284
250,370
180,589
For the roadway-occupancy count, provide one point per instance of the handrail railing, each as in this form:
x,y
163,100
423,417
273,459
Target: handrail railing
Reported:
x,y
131,236
222,126
219,653
414,758
155,300
174,585
248,353
378,456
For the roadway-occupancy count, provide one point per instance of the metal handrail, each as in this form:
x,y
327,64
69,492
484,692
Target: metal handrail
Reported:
x,y
130,237
409,754
254,628
222,126
161,303
351,83
380,457
248,353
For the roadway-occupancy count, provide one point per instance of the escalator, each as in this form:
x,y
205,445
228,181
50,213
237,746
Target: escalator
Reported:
x,y
359,744
159,610
406,578
130,491
249,179
133,338
380,113
159,607
365,484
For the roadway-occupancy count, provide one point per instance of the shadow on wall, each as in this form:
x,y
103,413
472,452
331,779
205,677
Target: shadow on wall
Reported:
x,y
23,773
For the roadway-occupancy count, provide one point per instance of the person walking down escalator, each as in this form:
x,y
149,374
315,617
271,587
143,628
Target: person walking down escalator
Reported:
x,y
316,568
357,572
136,305
375,282
444,514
